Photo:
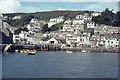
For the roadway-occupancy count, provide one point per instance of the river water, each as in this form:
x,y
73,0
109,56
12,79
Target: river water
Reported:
x,y
59,64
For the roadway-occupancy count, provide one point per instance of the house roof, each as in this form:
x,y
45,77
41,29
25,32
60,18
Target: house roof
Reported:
x,y
46,38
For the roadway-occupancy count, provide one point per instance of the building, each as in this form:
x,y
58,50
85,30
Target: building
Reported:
x,y
105,41
90,24
78,28
68,21
96,14
104,29
5,32
112,40
67,28
51,41
78,40
20,38
79,17
78,21
85,17
57,20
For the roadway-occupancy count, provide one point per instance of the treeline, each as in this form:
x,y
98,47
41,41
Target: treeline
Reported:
x,y
107,17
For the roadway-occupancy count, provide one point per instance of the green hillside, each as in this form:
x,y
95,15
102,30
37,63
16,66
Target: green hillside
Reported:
x,y
26,17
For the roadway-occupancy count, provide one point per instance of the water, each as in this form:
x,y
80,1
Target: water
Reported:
x,y
60,65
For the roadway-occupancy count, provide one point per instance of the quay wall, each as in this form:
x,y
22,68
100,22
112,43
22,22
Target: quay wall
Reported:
x,y
57,48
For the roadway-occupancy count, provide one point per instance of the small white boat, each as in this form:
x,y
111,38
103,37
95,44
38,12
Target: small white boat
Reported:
x,y
69,51
32,52
83,51
16,50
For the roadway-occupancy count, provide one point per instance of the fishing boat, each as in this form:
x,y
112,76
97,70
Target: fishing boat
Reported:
x,y
16,50
69,51
83,50
32,52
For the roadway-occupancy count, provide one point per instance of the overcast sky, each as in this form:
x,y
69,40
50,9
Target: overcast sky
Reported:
x,y
12,6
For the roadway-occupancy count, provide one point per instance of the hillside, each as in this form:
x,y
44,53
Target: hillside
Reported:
x,y
26,17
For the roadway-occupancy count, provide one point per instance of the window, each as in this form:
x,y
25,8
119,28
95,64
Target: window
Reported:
x,y
80,39
16,36
52,42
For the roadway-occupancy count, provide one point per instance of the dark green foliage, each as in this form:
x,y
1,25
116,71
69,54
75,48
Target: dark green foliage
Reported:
x,y
107,17
117,19
90,31
21,29
25,19
45,28
56,27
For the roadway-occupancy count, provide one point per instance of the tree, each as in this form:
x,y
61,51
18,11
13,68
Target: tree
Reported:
x,y
56,27
107,17
45,28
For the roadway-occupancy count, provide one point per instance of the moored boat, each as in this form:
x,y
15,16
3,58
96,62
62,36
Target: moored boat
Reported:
x,y
69,51
32,52
83,50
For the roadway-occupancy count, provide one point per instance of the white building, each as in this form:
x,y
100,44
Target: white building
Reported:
x,y
54,21
78,40
96,14
67,28
79,17
85,39
34,21
85,17
112,41
90,25
68,21
51,41
78,21
57,20
20,38
16,39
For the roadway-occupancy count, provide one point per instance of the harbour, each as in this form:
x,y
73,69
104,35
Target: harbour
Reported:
x,y
25,48
60,64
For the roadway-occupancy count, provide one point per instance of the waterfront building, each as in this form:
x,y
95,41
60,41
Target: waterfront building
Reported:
x,y
16,39
112,40
20,38
51,41
5,32
105,40
78,40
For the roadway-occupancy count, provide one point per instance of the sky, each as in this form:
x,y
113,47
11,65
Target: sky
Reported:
x,y
14,6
